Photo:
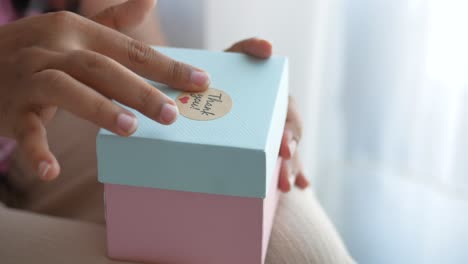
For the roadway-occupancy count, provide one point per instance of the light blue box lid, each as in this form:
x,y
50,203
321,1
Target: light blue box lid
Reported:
x,y
232,155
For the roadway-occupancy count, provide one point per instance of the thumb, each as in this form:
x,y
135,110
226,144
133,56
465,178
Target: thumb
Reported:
x,y
126,15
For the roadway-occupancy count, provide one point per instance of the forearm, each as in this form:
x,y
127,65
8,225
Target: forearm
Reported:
x,y
47,239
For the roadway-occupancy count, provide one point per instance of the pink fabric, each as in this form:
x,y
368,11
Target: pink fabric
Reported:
x,y
6,148
7,12
36,7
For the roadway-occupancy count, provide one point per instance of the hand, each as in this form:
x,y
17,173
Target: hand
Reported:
x,y
291,171
81,65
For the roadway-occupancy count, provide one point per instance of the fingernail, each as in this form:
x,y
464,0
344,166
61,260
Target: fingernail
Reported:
x,y
168,113
292,147
44,167
200,78
127,123
304,183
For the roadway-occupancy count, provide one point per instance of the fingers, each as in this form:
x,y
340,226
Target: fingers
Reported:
x,y
293,128
292,131
117,82
300,180
283,182
144,60
58,88
291,170
288,143
32,141
256,47
292,173
293,118
127,15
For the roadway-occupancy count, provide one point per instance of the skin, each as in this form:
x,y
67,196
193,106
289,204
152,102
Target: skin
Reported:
x,y
148,30
291,171
79,63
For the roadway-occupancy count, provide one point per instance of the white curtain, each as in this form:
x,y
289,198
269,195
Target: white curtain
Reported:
x,y
383,88
393,149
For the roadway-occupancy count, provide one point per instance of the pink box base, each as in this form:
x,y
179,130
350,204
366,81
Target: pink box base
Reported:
x,y
163,226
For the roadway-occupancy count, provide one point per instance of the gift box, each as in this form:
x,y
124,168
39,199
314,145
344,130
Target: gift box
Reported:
x,y
204,189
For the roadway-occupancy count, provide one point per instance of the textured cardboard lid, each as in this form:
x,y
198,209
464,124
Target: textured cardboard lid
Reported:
x,y
232,155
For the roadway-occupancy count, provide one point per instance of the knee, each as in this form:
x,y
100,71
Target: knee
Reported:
x,y
302,233
286,246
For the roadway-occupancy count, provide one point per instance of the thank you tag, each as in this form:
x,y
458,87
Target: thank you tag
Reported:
x,y
208,105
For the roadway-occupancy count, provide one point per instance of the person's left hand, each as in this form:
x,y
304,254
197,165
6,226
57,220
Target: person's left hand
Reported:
x,y
291,171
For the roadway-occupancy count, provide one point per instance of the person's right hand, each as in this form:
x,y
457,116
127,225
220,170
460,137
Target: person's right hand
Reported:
x,y
81,65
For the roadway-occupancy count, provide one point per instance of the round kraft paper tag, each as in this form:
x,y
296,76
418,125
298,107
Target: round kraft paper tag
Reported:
x,y
208,105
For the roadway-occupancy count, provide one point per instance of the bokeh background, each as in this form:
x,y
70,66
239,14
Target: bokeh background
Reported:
x,y
383,90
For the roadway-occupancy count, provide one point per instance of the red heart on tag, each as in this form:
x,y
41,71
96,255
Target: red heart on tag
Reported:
x,y
184,99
